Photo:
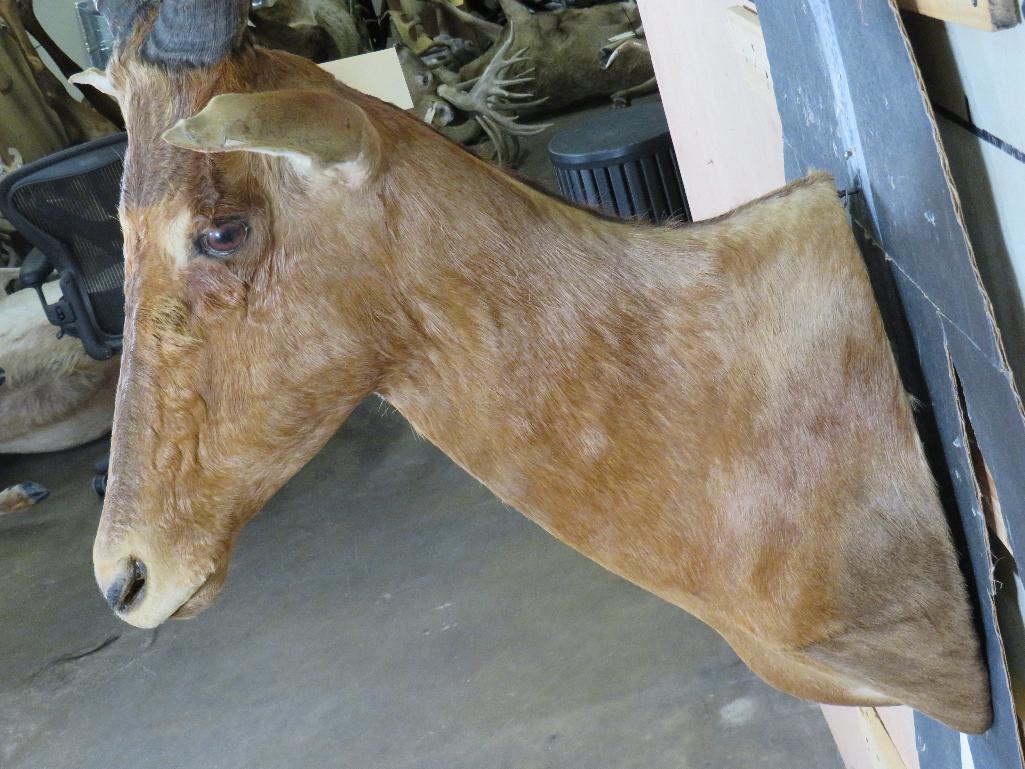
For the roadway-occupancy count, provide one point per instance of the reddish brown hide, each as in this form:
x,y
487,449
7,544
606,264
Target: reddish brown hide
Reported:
x,y
710,411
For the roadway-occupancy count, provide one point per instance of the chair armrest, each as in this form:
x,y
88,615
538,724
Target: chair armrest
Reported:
x,y
35,269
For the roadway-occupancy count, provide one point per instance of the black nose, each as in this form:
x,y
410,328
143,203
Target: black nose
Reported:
x,y
126,589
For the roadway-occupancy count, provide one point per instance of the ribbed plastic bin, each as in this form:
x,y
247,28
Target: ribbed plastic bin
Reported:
x,y
622,162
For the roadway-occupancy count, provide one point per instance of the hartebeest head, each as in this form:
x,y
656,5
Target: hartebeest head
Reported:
x,y
254,190
712,412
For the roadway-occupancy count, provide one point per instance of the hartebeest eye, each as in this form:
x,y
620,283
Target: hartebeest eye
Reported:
x,y
224,238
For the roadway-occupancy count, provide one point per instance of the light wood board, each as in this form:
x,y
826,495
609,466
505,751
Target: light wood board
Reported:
x,y
725,128
981,14
862,739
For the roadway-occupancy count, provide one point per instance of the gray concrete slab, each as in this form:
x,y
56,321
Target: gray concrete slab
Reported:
x,y
384,612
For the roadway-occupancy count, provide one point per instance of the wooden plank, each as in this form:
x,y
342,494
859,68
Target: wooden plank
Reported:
x,y
881,750
862,739
981,14
727,133
900,725
746,33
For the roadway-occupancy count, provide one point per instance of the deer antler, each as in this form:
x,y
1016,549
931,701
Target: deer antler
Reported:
x,y
489,99
631,39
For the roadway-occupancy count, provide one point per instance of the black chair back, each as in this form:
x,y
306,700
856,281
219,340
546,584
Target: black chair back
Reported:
x,y
66,205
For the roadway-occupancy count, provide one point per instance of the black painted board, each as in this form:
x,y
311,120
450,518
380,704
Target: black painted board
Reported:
x,y
863,101
851,102
880,127
937,745
995,413
937,353
926,347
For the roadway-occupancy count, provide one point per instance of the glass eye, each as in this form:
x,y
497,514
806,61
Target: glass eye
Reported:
x,y
224,238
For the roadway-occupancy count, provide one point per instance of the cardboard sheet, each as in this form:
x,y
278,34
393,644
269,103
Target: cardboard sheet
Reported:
x,y
851,102
377,73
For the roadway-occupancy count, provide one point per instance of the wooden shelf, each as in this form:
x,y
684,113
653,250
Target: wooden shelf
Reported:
x,y
981,14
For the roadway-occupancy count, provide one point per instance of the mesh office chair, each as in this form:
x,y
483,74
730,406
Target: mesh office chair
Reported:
x,y
65,205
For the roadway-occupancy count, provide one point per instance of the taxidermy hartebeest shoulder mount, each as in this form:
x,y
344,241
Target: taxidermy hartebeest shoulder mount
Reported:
x,y
711,411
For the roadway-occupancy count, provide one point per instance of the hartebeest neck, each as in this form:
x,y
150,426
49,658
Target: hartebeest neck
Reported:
x,y
536,339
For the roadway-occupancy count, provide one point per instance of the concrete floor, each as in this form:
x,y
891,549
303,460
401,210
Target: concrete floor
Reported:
x,y
383,612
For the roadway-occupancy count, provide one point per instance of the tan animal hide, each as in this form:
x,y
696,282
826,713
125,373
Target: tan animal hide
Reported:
x,y
711,411
54,396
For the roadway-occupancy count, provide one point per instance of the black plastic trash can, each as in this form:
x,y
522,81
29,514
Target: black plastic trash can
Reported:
x,y
621,161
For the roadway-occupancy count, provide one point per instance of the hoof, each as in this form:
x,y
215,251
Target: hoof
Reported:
x,y
24,495
100,484
35,492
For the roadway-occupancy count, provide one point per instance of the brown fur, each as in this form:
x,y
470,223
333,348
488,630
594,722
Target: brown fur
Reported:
x,y
710,411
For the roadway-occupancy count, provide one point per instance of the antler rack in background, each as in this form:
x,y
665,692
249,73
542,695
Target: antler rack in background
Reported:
x,y
492,104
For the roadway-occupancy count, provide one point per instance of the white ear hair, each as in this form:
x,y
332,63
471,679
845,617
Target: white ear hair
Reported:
x,y
98,79
319,132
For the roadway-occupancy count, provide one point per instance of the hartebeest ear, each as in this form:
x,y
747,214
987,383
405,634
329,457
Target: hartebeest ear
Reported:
x,y
98,79
318,131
